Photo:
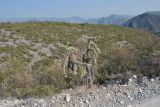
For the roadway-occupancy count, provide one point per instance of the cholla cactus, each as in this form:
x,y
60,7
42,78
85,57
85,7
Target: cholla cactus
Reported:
x,y
90,57
70,59
86,66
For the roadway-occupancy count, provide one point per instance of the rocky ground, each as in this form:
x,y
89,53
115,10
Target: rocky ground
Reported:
x,y
133,94
152,102
35,53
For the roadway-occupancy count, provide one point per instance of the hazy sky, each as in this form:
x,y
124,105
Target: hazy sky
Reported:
x,y
82,8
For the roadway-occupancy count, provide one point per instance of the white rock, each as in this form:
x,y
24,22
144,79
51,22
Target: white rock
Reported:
x,y
41,101
52,101
125,85
135,76
129,105
67,98
130,98
35,104
152,79
53,97
16,101
108,95
70,89
96,97
130,80
121,102
86,101
44,104
89,106
157,78
104,88
140,90
5,102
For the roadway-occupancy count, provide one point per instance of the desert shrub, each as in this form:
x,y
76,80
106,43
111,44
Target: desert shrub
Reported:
x,y
15,75
46,75
18,82
150,66
37,91
48,71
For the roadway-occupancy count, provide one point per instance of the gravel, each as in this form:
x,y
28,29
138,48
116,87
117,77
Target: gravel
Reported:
x,y
151,102
131,95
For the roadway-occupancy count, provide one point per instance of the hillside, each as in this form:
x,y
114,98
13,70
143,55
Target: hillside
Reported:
x,y
31,62
149,21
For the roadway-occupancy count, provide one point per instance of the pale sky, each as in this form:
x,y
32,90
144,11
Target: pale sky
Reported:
x,y
81,8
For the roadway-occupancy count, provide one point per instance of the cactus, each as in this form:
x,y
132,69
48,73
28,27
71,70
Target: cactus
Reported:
x,y
86,67
69,60
90,57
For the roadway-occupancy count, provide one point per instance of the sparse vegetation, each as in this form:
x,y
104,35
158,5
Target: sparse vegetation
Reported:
x,y
27,72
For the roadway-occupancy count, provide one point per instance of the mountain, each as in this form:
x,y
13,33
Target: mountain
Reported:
x,y
112,19
73,19
149,21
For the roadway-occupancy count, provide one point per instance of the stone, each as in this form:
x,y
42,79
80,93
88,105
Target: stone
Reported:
x,y
129,105
130,80
53,97
95,97
53,101
89,106
140,90
130,98
41,101
126,94
152,80
70,89
121,102
104,88
157,78
35,104
67,98
86,101
135,76
16,101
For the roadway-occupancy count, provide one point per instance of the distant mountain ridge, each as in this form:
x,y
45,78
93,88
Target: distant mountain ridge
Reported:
x,y
149,21
112,19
